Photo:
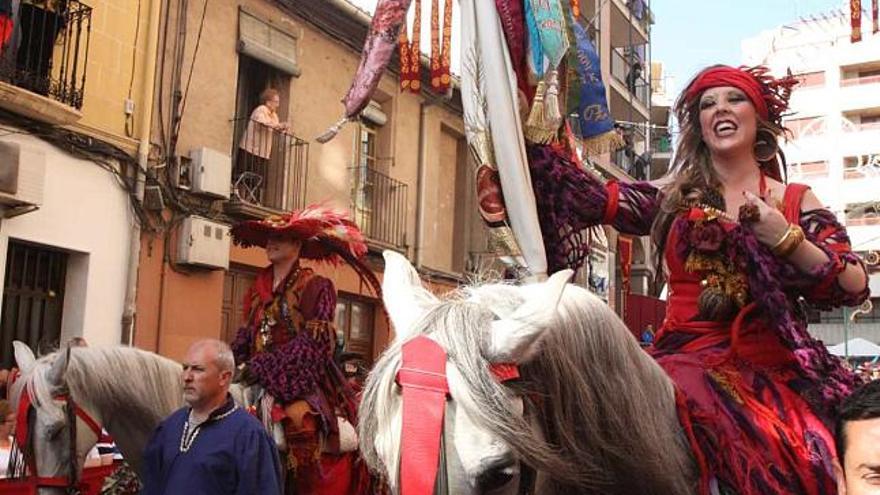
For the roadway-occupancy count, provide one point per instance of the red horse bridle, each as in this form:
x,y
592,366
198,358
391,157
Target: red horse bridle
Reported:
x,y
422,376
22,434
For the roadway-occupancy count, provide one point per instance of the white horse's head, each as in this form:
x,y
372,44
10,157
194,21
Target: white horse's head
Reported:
x,y
477,458
74,393
56,444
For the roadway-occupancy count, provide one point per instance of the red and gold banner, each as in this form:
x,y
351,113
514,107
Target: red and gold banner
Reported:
x,y
874,16
445,77
410,55
855,19
440,75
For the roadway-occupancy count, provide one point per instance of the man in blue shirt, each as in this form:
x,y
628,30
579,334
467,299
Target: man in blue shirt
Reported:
x,y
212,447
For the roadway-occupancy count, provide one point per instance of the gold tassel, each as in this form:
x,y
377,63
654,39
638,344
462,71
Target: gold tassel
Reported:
x,y
603,143
552,115
332,131
545,119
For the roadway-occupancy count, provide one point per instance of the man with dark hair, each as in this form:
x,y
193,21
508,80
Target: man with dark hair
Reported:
x,y
858,442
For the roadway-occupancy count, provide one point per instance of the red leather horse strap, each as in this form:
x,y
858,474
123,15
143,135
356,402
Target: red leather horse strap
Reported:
x,y
422,376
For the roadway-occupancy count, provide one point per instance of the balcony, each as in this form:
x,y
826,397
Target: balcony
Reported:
x,y
379,206
630,22
858,93
269,170
633,90
43,64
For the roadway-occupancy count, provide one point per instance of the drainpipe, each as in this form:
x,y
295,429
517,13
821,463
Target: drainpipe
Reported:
x,y
134,249
420,184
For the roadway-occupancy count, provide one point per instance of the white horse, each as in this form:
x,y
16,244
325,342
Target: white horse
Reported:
x,y
591,413
124,390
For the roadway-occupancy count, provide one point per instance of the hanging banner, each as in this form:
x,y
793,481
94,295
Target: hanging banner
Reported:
x,y
855,18
410,54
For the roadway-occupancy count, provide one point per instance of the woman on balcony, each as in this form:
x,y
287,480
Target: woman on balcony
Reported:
x,y
741,250
255,148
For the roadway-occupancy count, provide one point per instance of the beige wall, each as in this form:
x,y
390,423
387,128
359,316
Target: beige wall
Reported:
x,y
115,67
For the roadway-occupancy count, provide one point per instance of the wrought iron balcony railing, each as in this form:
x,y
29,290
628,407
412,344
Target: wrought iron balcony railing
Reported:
x,y
270,168
46,49
379,206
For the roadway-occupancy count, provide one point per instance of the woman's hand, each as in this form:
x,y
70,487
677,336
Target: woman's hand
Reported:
x,y
770,225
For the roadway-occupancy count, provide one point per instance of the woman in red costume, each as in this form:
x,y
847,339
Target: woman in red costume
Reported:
x,y
288,343
742,252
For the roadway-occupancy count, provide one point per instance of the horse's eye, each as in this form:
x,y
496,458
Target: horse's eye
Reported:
x,y
497,477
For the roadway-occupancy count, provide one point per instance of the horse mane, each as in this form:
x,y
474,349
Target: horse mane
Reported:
x,y
606,409
122,383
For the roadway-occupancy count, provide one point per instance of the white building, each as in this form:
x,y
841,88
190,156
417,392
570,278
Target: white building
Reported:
x,y
836,126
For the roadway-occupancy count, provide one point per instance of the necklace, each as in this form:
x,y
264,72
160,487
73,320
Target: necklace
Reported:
x,y
190,432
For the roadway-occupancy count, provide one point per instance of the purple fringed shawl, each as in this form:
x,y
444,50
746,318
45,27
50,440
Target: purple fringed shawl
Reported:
x,y
775,285
571,200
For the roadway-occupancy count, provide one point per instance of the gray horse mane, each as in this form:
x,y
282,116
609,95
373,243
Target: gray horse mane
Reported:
x,y
120,382
606,409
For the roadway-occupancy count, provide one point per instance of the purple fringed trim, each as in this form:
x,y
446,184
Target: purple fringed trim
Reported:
x,y
293,370
819,286
570,199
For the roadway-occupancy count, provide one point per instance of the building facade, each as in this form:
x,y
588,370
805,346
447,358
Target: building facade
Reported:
x,y
74,111
403,170
835,145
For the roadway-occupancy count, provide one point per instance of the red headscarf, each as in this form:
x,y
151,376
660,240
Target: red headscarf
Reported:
x,y
769,94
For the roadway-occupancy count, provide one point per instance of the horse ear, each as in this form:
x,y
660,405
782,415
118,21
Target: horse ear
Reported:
x,y
514,337
24,356
55,375
405,298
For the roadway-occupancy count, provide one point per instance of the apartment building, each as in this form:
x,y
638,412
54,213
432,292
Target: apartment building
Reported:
x,y
75,92
403,170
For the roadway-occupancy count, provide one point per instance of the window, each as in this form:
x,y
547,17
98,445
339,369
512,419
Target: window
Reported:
x,y
354,320
810,169
33,298
863,214
367,146
808,126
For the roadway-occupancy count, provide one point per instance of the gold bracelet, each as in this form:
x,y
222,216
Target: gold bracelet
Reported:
x,y
792,238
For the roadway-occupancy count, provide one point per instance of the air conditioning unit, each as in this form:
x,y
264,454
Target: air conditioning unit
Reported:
x,y
22,175
211,172
203,243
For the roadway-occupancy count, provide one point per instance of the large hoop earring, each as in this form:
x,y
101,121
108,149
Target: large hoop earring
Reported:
x,y
766,146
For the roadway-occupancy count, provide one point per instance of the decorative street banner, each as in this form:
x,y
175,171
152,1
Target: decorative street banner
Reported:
x,y
410,55
855,19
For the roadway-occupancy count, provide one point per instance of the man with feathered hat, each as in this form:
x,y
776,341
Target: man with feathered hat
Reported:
x,y
288,342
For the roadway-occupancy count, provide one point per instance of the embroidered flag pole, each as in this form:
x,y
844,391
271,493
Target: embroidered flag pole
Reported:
x,y
855,19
